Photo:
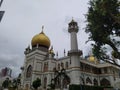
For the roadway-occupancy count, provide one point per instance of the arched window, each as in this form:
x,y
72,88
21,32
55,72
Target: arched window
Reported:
x,y
95,82
29,71
58,66
62,65
105,82
82,80
62,80
45,66
105,70
88,81
66,65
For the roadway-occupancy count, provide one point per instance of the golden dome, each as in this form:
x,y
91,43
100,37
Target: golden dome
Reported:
x,y
41,39
51,51
92,58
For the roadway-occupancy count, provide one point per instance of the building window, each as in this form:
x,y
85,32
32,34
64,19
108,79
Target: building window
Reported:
x,y
58,66
114,75
95,82
54,69
104,82
96,70
87,68
105,70
45,82
62,65
66,65
70,60
82,80
29,71
45,66
27,87
81,65
88,81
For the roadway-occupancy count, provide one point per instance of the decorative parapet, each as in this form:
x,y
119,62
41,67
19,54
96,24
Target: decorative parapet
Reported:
x,y
74,52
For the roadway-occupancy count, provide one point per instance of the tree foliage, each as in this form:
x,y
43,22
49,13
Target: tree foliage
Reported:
x,y
103,26
15,83
36,83
6,83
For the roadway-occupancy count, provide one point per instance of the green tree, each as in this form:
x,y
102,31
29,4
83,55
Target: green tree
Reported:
x,y
6,83
36,83
15,85
103,27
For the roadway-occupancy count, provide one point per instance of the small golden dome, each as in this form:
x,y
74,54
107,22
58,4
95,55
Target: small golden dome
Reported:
x,y
41,39
92,58
51,51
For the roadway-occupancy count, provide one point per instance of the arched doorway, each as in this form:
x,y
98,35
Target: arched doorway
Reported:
x,y
27,87
105,82
45,82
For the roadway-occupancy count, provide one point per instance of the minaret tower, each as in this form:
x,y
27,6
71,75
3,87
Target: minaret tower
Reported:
x,y
74,53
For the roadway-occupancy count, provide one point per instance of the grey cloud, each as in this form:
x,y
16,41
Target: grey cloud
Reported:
x,y
13,61
24,18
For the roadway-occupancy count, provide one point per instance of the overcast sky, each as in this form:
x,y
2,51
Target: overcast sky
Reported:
x,y
24,18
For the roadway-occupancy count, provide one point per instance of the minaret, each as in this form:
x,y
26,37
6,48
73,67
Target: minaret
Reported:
x,y
74,53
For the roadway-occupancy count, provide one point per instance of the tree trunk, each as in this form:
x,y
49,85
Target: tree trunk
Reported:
x,y
114,48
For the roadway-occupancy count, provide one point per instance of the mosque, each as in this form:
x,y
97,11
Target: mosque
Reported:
x,y
71,69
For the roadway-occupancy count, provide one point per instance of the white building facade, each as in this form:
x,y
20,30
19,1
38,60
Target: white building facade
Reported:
x,y
71,69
